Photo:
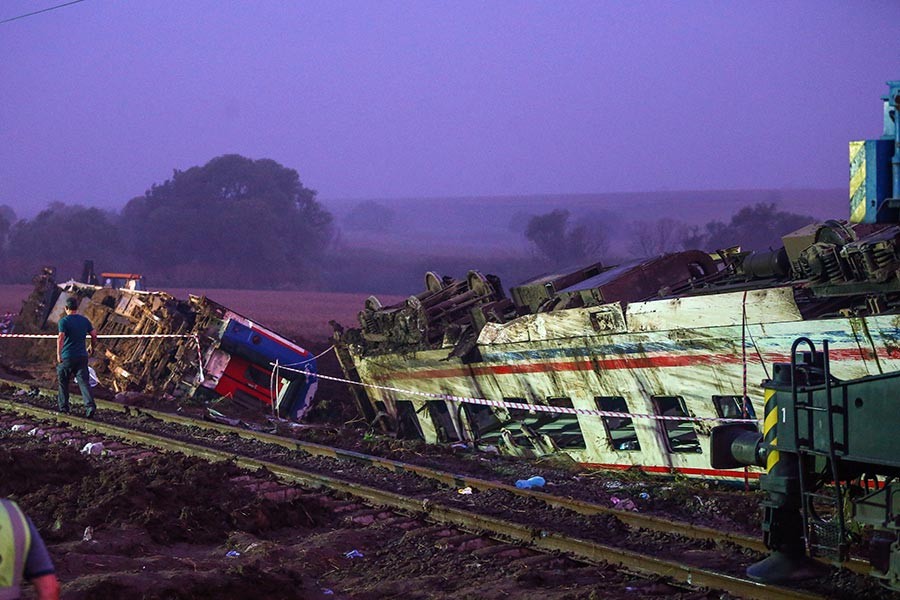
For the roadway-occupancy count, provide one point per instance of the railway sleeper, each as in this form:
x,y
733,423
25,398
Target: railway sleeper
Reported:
x,y
503,550
543,561
346,506
367,517
402,522
463,543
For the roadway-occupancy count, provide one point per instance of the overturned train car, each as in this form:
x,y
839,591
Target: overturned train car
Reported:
x,y
155,343
632,365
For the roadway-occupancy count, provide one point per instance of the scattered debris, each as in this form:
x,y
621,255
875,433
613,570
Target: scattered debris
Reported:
x,y
154,343
532,482
623,503
93,448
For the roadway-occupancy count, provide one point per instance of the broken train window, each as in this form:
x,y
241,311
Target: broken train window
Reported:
x,y
443,421
487,422
619,430
732,407
408,425
680,435
526,426
563,428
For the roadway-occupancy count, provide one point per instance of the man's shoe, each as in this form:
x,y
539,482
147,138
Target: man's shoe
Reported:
x,y
91,414
64,411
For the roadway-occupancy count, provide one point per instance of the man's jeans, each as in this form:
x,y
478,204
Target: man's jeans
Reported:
x,y
78,367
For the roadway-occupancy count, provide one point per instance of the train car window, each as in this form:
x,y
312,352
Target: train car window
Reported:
x,y
486,426
443,422
562,428
680,435
408,421
731,407
382,418
258,376
619,430
482,420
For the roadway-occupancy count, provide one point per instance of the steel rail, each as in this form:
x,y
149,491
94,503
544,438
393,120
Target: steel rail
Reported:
x,y
629,518
549,541
632,519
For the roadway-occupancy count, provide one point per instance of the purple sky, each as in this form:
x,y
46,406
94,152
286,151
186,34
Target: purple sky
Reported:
x,y
384,99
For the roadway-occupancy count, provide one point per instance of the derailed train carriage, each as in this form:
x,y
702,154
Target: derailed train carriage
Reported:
x,y
632,365
157,344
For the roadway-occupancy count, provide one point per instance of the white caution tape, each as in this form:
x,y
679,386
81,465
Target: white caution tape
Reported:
x,y
49,336
521,406
309,360
121,336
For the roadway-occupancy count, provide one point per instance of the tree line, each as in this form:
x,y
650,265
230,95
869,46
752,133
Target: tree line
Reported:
x,y
233,222
561,239
236,222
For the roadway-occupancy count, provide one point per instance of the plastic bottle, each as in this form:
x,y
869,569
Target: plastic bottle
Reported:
x,y
532,482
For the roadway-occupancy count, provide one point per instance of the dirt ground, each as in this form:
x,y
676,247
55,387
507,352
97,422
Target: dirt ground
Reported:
x,y
174,527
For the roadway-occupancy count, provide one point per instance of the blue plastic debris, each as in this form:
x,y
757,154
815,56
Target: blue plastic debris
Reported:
x,y
353,554
532,482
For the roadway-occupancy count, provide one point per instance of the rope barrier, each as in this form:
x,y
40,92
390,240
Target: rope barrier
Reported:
x,y
49,336
274,376
121,336
521,406
308,360
460,399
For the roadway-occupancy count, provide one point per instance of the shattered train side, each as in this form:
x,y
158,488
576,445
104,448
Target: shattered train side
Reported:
x,y
154,343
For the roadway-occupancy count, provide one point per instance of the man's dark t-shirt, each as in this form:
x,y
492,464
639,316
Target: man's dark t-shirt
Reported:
x,y
76,328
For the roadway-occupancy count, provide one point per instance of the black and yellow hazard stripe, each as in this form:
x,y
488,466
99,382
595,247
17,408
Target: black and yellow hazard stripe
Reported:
x,y
857,181
770,429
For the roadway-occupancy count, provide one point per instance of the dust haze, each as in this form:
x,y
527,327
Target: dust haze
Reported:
x,y
238,223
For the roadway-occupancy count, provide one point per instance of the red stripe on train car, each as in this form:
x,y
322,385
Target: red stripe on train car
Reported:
x,y
643,362
730,474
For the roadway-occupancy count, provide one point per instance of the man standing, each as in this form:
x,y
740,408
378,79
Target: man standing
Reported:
x,y
72,356
23,556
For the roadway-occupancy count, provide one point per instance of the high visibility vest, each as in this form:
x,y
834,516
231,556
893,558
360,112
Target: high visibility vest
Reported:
x,y
15,542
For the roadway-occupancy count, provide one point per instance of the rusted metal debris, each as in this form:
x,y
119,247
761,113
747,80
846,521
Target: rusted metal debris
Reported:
x,y
212,351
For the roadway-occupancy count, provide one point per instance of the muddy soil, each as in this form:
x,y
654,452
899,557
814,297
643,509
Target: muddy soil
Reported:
x,y
172,527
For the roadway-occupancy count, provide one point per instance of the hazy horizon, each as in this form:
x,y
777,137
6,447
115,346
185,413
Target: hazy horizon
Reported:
x,y
406,99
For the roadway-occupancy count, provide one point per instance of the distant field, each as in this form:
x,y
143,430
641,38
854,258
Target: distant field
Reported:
x,y
12,296
297,315
472,225
294,314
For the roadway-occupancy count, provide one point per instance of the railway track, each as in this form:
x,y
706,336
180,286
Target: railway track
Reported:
x,y
419,501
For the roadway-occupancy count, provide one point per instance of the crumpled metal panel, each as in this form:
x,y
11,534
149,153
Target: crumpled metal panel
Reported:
x,y
555,325
771,305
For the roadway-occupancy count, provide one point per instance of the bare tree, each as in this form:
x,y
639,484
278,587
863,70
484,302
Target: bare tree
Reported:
x,y
658,237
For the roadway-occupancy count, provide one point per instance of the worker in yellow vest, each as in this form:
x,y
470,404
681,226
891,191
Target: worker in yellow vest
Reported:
x,y
23,556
